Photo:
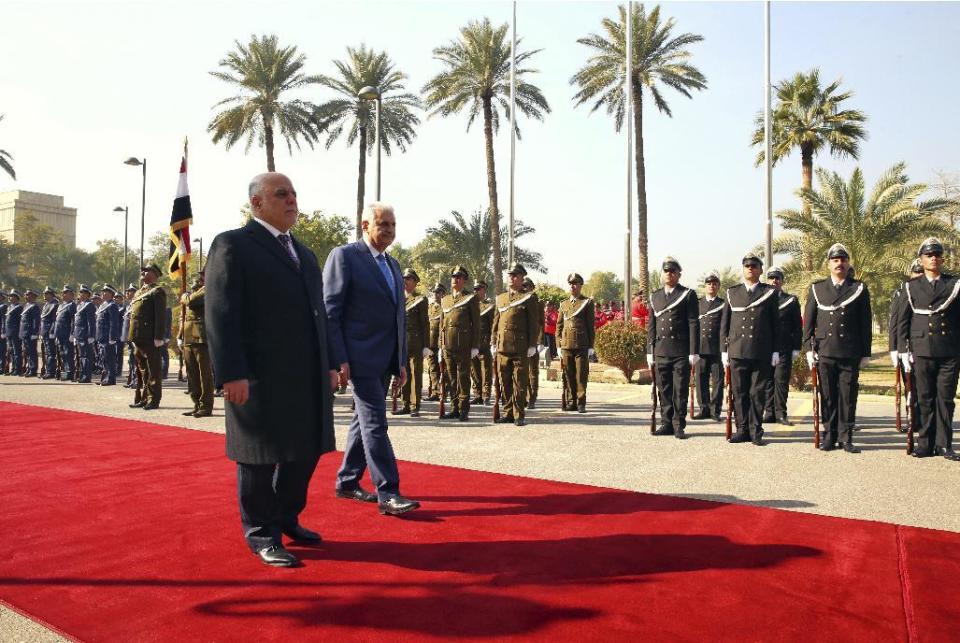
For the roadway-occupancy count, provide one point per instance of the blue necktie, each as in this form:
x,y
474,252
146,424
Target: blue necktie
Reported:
x,y
388,275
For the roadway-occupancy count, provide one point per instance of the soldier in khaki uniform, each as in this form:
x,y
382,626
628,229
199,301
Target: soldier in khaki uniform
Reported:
x,y
459,341
516,326
481,370
434,313
147,330
418,334
533,368
196,354
575,333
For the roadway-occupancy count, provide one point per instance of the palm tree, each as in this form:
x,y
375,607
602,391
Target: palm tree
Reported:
x,y
881,231
366,67
659,60
263,71
476,76
809,117
6,161
469,242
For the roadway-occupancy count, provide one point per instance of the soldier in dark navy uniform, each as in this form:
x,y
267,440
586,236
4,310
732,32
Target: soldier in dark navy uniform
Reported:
x,y
897,303
118,299
789,338
30,333
710,368
748,335
11,328
108,335
928,338
84,334
48,317
3,333
63,332
837,333
673,332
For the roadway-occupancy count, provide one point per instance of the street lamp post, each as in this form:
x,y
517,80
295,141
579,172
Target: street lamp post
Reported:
x,y
126,215
143,202
200,241
372,93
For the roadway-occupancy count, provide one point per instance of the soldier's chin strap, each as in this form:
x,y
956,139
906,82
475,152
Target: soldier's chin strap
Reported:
x,y
842,304
939,309
753,304
671,306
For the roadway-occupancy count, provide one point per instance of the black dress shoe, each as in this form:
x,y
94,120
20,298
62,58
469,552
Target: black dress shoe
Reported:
x,y
464,415
451,415
738,438
187,392
949,454
203,414
582,408
192,413
784,421
532,404
664,430
277,556
302,534
849,448
151,406
136,405
520,422
768,419
701,415
506,419
718,418
477,400
414,413
570,407
827,446
359,493
758,441
403,411
921,454
397,505
432,398
680,434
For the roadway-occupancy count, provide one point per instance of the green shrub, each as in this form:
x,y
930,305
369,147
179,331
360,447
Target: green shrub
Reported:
x,y
623,345
800,373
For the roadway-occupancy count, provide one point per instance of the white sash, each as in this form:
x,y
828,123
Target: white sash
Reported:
x,y
141,296
716,309
411,305
458,304
740,309
484,312
514,303
939,309
673,305
842,304
579,310
789,301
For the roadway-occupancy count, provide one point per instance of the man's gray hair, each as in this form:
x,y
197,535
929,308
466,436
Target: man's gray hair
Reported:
x,y
370,212
256,184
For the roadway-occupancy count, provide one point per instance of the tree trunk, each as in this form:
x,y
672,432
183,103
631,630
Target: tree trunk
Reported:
x,y
492,190
361,176
643,257
806,163
268,137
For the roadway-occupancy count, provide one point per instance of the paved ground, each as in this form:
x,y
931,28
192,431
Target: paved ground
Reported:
x,y
611,446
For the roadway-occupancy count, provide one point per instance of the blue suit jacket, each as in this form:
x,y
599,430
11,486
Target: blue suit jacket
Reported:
x,y
108,323
63,326
366,326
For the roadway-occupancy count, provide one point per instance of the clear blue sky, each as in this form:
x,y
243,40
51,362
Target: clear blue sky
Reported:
x,y
87,84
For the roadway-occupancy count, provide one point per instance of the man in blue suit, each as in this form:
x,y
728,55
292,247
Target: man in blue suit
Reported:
x,y
367,330
63,332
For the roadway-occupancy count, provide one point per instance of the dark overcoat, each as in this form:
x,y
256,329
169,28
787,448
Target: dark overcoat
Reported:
x,y
281,348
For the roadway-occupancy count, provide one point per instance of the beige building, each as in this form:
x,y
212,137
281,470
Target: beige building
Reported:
x,y
47,209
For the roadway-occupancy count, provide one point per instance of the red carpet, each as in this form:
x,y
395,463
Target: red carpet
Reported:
x,y
120,530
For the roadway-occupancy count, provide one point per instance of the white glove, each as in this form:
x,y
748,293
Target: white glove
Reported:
x,y
179,343
775,359
591,352
112,342
531,351
693,359
725,358
493,350
166,341
864,361
811,359
427,352
158,343
907,360
894,358
89,340
793,355
34,337
649,359
53,336
474,352
72,340
185,298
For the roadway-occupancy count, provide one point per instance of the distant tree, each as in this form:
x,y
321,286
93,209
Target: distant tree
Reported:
x,y
321,233
263,71
6,160
729,276
362,68
604,287
551,292
476,77
108,263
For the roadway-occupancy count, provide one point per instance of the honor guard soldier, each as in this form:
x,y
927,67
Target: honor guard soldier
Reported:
x,y
481,366
48,340
710,368
196,353
3,333
132,374
748,335
459,341
838,331
435,313
84,331
30,333
533,370
789,338
147,331
122,309
673,334
575,334
11,328
108,335
928,338
516,327
165,349
63,332
418,336
897,303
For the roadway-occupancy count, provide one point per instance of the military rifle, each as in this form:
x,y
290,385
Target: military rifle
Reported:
x,y
729,395
907,387
816,406
897,386
43,358
496,392
693,374
653,401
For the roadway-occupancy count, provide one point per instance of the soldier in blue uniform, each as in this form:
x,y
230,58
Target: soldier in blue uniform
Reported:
x,y
108,335
48,315
710,369
838,332
133,376
30,333
789,337
63,333
3,333
84,328
11,326
121,308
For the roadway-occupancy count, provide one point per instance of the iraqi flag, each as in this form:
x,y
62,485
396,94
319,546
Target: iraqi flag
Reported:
x,y
180,220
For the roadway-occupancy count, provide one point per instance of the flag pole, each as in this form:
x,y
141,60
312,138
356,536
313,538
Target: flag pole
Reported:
x,y
183,286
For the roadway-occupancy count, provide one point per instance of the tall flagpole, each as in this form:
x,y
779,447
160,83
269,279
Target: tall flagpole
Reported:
x,y
184,265
513,128
628,115
768,191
